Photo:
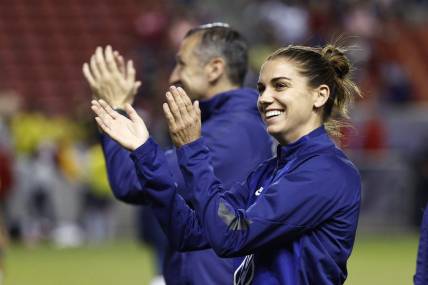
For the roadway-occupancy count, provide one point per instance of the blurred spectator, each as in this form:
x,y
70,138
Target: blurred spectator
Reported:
x,y
362,20
98,211
6,178
374,137
9,104
289,23
3,242
46,197
5,186
397,88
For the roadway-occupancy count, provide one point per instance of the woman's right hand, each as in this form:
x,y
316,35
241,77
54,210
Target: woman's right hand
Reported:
x,y
130,133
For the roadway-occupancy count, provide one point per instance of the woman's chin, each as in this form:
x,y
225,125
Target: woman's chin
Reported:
x,y
273,131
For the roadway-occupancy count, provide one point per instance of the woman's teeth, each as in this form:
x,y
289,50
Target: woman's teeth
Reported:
x,y
273,113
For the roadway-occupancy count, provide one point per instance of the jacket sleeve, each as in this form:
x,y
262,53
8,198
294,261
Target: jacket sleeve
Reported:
x,y
421,276
122,174
284,210
177,219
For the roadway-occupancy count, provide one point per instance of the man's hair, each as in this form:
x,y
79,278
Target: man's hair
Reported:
x,y
220,40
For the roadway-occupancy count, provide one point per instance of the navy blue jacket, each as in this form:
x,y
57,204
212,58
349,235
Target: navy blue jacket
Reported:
x,y
238,142
294,217
421,276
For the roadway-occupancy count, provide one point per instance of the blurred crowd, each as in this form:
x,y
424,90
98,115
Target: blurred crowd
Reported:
x,y
53,180
53,185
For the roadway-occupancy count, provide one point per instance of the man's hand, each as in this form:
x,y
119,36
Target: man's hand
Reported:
x,y
184,119
110,79
130,133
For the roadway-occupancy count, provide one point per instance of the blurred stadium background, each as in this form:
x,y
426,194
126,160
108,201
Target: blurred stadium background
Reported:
x,y
64,226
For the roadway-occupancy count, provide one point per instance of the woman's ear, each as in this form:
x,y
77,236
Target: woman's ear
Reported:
x,y
321,95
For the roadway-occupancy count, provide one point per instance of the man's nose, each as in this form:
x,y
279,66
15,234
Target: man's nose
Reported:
x,y
174,77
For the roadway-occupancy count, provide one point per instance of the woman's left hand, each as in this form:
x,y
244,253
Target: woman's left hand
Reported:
x,y
183,117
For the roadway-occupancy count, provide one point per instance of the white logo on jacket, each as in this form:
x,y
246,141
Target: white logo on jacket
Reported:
x,y
259,191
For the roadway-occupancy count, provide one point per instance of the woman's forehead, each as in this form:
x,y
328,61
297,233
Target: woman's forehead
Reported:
x,y
276,68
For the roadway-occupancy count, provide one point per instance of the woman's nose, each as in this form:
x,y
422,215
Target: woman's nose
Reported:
x,y
265,97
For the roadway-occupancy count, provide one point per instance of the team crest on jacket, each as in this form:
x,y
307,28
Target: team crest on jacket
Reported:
x,y
245,273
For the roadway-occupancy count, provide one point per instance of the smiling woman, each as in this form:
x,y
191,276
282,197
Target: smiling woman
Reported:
x,y
302,87
295,217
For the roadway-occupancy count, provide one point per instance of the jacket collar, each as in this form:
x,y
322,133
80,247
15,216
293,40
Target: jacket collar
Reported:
x,y
233,100
309,144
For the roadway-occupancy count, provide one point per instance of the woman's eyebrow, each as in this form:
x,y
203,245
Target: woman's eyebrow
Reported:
x,y
280,78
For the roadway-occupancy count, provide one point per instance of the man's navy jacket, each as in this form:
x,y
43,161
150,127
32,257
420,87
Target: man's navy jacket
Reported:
x,y
238,142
